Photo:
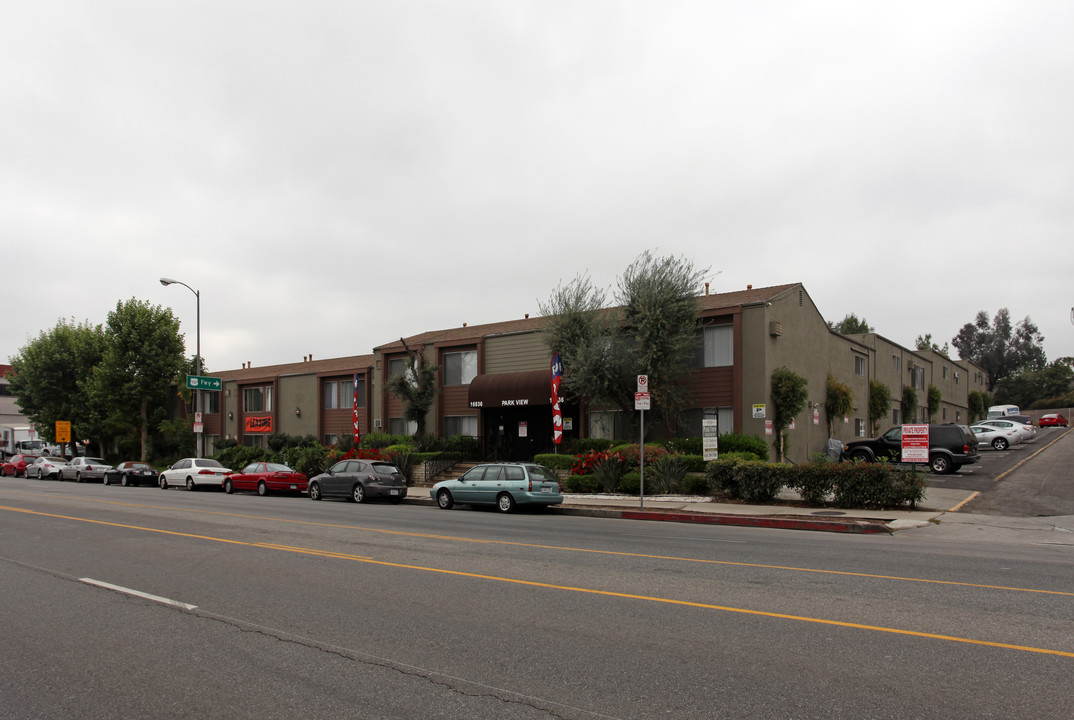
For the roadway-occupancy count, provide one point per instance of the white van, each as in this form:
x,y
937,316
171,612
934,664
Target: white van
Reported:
x,y
1003,411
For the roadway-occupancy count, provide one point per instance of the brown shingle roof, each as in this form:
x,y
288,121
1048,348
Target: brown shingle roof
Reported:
x,y
344,365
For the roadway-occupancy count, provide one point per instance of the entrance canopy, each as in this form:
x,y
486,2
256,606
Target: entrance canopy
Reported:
x,y
516,389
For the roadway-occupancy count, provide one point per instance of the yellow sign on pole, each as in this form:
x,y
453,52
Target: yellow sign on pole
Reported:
x,y
63,431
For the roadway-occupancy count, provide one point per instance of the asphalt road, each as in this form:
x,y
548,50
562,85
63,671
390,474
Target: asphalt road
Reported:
x,y
295,608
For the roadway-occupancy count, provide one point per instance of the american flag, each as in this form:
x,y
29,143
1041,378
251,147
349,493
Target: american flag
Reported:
x,y
354,412
557,413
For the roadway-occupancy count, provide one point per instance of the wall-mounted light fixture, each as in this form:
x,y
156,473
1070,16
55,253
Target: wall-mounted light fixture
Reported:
x,y
298,412
230,415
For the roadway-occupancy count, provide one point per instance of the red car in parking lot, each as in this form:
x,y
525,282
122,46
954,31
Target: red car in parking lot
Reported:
x,y
16,465
1052,420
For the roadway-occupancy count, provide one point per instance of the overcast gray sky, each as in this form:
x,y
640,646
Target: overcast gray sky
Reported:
x,y
334,175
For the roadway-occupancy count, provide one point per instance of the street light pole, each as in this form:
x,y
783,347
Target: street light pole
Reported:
x,y
197,358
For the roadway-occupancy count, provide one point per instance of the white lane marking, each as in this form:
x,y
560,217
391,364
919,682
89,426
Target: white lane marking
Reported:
x,y
136,593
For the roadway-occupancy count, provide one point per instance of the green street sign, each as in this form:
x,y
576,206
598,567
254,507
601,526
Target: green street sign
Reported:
x,y
196,382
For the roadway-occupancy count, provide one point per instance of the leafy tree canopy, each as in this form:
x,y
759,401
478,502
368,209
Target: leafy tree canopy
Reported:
x,y
652,331
49,375
139,368
851,325
1002,349
925,342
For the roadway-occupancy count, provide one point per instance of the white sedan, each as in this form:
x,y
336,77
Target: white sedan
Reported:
x,y
194,472
996,437
1026,432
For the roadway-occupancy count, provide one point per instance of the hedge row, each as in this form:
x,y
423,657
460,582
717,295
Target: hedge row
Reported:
x,y
848,485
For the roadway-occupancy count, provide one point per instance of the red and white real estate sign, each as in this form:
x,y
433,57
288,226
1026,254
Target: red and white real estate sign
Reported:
x,y
915,443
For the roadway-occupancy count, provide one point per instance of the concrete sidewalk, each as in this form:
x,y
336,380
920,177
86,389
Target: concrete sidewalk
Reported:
x,y
786,516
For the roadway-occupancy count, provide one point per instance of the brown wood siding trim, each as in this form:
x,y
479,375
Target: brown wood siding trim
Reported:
x,y
455,401
712,387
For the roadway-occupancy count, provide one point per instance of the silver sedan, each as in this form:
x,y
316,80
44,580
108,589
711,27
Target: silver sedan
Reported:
x,y
83,469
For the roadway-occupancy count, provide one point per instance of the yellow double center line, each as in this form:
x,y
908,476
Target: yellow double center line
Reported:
x,y
565,588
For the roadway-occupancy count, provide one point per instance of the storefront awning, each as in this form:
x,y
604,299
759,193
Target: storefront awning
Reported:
x,y
517,389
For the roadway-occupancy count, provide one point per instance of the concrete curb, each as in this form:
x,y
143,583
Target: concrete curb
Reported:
x,y
781,522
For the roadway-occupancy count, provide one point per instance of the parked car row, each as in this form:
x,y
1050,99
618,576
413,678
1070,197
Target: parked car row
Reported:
x,y
502,485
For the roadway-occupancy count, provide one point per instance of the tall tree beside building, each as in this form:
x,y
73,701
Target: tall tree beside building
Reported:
x,y
49,376
652,331
838,401
1002,349
925,342
139,370
789,397
879,404
416,387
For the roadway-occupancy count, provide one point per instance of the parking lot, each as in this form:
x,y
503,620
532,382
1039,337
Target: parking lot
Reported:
x,y
1028,480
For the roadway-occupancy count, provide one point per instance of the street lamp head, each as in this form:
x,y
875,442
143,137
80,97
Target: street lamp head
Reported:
x,y
167,281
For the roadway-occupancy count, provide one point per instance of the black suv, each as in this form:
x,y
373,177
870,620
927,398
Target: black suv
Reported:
x,y
950,447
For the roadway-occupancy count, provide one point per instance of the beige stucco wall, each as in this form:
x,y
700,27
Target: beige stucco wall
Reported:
x,y
301,392
516,352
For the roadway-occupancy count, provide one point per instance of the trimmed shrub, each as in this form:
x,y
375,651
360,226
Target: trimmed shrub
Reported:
x,y
555,461
581,446
581,484
815,482
738,442
749,480
876,485
684,446
630,483
693,463
696,485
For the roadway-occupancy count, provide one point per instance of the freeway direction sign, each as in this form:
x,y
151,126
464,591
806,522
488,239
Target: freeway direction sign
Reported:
x,y
197,382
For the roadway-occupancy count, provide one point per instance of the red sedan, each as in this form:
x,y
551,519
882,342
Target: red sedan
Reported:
x,y
1052,420
265,477
16,465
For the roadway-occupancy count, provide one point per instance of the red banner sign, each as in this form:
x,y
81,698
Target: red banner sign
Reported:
x,y
258,423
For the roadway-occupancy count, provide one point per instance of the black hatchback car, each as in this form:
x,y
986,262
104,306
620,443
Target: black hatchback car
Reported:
x,y
950,447
359,480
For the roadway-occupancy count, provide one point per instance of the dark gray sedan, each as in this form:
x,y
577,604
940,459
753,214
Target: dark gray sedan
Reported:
x,y
359,480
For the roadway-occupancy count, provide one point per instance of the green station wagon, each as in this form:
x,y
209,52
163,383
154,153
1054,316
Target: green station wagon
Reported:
x,y
505,485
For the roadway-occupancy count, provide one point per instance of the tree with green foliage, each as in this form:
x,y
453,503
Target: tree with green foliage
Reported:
x,y
1002,349
978,405
879,404
934,398
653,331
1046,388
49,376
925,342
851,325
140,367
908,406
789,396
415,386
837,403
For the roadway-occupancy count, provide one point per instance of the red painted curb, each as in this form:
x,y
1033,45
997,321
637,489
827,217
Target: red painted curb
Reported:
x,y
784,523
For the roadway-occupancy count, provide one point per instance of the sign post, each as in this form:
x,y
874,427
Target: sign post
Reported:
x,y
642,402
710,439
915,445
